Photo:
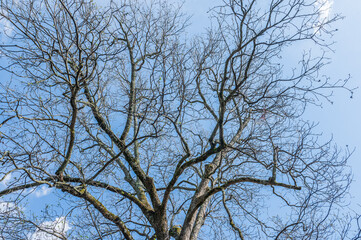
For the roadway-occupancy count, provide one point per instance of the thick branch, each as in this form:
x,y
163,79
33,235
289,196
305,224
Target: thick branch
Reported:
x,y
61,169
231,222
146,180
245,180
101,208
18,188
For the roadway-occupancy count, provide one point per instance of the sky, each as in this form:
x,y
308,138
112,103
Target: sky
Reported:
x,y
340,120
343,117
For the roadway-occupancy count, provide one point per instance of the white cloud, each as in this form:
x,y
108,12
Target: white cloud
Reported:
x,y
6,180
324,11
43,191
51,230
7,207
6,27
325,7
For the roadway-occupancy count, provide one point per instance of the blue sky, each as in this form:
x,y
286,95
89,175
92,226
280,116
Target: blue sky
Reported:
x,y
343,118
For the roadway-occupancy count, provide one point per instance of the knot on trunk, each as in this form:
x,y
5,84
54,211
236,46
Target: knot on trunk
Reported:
x,y
175,231
209,168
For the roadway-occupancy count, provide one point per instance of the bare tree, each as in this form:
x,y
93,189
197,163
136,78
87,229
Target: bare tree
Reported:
x,y
145,132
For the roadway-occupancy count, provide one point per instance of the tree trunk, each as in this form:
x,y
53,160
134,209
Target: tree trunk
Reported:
x,y
161,227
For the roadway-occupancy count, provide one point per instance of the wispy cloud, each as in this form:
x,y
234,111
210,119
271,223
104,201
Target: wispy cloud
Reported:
x,y
6,27
43,191
325,7
6,180
51,230
7,207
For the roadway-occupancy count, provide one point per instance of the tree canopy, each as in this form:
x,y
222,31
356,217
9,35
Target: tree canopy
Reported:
x,y
147,131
